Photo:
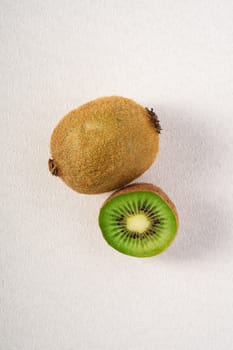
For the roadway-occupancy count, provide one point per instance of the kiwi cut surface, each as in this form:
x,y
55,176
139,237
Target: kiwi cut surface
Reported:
x,y
104,144
139,220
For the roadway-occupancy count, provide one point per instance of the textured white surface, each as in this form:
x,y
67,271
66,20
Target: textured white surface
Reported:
x,y
62,287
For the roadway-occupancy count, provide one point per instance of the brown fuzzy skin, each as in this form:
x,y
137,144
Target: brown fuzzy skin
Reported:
x,y
103,145
146,187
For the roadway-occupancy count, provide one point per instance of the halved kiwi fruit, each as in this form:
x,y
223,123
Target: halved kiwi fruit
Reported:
x,y
104,144
139,220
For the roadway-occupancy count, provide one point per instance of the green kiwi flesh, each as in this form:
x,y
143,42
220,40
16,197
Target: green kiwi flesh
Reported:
x,y
138,223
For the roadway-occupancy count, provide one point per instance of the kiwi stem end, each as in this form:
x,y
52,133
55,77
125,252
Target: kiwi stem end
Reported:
x,y
53,168
154,119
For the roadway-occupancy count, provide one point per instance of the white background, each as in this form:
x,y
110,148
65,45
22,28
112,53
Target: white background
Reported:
x,y
62,287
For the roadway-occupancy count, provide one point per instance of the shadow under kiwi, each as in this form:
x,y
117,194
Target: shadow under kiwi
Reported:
x,y
187,168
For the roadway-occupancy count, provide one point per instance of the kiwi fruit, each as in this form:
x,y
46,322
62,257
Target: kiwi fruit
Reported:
x,y
104,144
139,220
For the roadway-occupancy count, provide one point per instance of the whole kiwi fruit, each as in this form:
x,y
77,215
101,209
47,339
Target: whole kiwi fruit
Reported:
x,y
104,144
139,220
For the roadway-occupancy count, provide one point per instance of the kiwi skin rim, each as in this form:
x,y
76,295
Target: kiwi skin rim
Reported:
x,y
146,187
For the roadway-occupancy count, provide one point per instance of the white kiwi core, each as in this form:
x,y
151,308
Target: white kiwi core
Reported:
x,y
137,223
